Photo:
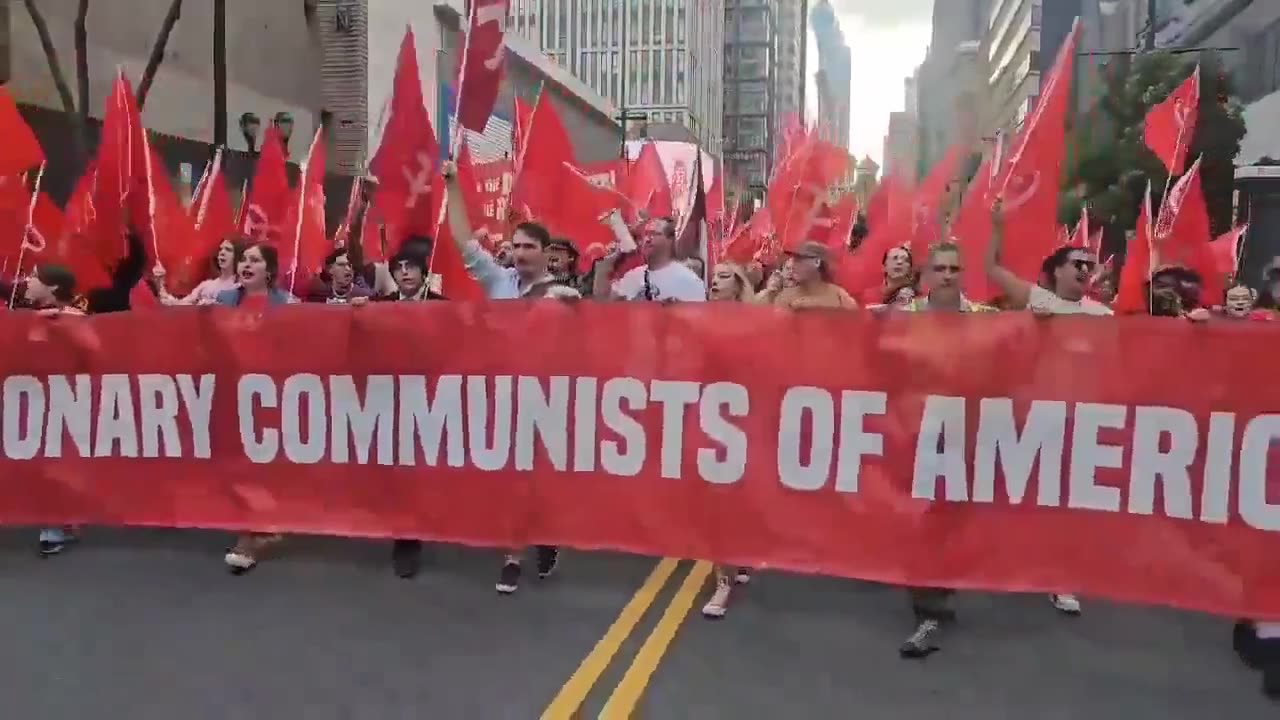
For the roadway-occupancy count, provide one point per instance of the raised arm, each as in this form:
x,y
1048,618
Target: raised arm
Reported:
x,y
1016,291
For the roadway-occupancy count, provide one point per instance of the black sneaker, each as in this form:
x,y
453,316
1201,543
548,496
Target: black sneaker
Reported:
x,y
923,642
548,559
509,578
1245,643
1271,681
54,540
406,557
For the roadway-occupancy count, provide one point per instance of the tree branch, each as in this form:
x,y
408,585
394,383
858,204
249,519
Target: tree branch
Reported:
x,y
157,51
82,59
51,54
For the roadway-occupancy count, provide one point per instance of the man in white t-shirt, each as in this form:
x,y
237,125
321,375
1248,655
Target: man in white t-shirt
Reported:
x,y
1065,276
660,279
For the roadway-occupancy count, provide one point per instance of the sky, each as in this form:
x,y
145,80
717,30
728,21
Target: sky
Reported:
x,y
887,39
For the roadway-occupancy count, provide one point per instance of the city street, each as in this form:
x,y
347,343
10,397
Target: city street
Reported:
x,y
143,624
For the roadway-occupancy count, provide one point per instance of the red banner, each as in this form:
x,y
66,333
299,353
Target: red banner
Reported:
x,y
482,63
1002,451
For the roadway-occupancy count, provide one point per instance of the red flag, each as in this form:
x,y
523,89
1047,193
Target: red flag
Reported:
x,y
211,209
1029,188
1182,233
844,215
21,150
930,201
118,172
1171,124
304,253
1226,250
482,63
1131,294
455,282
407,158
183,253
520,132
646,183
749,239
864,271
972,231
265,214
539,186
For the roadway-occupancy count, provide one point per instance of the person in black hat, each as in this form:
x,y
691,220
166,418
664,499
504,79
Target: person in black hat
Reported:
x,y
562,261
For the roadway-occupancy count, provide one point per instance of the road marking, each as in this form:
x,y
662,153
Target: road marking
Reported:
x,y
622,703
574,693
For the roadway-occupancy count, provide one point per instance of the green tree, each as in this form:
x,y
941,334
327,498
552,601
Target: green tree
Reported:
x,y
1110,164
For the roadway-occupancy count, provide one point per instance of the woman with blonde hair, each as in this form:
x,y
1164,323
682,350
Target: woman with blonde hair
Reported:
x,y
729,281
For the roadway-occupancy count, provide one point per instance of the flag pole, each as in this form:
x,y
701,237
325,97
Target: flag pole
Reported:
x,y
26,231
302,204
151,195
206,186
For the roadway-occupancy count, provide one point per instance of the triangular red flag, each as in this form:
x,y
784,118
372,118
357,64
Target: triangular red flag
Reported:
x,y
1171,124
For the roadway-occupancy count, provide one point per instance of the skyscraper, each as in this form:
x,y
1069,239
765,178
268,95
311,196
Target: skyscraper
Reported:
x,y
834,73
659,61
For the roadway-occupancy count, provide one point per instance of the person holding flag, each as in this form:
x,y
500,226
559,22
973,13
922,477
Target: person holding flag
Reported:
x,y
206,293
661,278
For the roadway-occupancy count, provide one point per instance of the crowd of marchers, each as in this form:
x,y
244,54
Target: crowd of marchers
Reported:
x,y
643,266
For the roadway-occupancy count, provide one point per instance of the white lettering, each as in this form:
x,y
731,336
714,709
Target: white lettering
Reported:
x,y
486,455
855,442
261,390
585,398
362,424
1215,494
940,450
431,420
1172,467
308,389
116,419
71,411
623,457
158,416
1087,455
199,403
1254,448
22,439
793,471
718,398
674,396
544,416
1043,436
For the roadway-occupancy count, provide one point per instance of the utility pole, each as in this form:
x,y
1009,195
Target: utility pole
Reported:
x,y
219,73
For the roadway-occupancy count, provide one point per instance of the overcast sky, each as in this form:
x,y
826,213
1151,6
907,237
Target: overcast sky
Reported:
x,y
888,39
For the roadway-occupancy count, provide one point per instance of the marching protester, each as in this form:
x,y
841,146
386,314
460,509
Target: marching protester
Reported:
x,y
1065,278
661,278
257,269
942,273
729,282
809,268
901,283
562,261
528,277
337,283
223,277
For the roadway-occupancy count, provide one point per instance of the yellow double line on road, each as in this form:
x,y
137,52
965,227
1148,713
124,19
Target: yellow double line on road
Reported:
x,y
622,702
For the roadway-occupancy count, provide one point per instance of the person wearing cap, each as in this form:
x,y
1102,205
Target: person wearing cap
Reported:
x,y
562,261
808,266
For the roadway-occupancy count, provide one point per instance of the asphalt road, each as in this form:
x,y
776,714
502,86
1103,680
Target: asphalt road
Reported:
x,y
142,625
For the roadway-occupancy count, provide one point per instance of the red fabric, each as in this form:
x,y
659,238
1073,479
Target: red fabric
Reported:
x,y
119,181
539,186
20,151
406,161
520,131
864,270
1183,235
254,301
1171,124
185,254
931,199
1131,294
1029,187
646,184
739,487
266,214
306,243
455,282
1226,250
482,63
972,230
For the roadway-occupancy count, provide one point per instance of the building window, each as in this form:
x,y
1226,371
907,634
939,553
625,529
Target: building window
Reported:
x,y
751,133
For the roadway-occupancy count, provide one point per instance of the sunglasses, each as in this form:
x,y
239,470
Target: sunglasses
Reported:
x,y
1084,265
955,269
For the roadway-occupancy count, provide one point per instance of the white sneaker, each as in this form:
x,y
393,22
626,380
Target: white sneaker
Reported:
x,y
1068,604
743,576
719,602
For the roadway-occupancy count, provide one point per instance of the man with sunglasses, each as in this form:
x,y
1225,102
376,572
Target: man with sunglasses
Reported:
x,y
1064,278
942,273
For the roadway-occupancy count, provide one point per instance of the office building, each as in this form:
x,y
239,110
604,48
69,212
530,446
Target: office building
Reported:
x,y
951,84
659,61
834,73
